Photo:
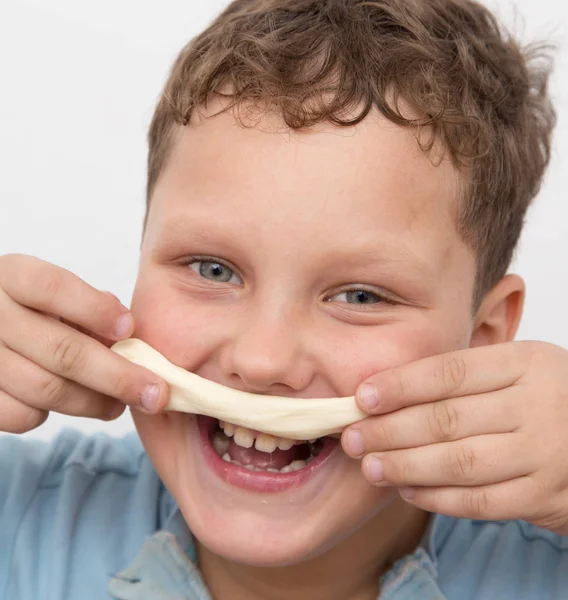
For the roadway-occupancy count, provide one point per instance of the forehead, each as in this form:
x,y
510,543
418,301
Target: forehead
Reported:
x,y
369,185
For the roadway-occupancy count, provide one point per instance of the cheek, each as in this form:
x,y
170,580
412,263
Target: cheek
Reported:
x,y
431,340
161,319
164,437
390,347
156,439
166,319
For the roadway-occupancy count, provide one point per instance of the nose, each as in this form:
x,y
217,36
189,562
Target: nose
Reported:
x,y
267,355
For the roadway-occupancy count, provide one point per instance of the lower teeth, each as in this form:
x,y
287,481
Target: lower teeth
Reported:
x,y
295,465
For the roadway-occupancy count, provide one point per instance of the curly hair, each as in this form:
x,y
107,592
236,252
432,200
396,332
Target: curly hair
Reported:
x,y
469,82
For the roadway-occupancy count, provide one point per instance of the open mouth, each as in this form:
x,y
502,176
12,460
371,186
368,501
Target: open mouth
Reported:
x,y
256,460
258,452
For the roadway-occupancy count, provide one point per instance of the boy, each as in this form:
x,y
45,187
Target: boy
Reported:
x,y
335,189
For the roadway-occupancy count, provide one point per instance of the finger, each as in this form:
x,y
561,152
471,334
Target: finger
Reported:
x,y
479,460
103,340
18,417
506,500
48,288
460,373
435,422
37,388
64,351
99,338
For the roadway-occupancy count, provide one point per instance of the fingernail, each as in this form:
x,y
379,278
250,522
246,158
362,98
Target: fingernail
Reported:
x,y
374,468
368,396
355,442
123,325
150,397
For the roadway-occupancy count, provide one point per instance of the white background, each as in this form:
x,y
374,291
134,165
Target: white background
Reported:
x,y
79,81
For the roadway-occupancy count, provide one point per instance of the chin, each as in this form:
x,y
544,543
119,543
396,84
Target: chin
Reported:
x,y
268,546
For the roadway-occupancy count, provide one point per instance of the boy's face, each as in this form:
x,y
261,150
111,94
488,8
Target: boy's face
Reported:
x,y
339,258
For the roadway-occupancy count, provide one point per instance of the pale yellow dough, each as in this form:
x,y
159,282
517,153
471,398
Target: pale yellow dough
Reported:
x,y
294,418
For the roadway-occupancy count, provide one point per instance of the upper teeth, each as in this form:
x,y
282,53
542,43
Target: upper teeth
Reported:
x,y
262,441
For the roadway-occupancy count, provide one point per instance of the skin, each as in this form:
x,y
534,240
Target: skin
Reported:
x,y
273,205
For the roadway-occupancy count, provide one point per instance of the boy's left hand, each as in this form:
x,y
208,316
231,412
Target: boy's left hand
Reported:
x,y
480,433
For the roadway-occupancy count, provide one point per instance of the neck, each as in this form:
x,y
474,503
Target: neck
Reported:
x,y
350,570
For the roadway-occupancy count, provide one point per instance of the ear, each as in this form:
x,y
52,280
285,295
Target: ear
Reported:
x,y
500,313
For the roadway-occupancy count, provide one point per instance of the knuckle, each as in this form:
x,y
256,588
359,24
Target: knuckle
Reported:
x,y
54,392
385,434
29,420
452,372
475,502
444,421
400,384
400,470
104,307
462,463
553,518
69,355
48,283
124,388
36,418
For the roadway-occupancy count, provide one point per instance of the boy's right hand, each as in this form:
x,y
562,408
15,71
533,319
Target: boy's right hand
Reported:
x,y
55,335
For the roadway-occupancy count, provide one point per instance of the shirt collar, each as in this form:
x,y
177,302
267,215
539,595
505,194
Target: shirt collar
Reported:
x,y
166,566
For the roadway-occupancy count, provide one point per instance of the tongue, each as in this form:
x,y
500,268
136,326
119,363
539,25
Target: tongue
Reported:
x,y
265,460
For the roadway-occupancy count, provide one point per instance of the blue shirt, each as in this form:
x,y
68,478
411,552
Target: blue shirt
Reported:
x,y
87,517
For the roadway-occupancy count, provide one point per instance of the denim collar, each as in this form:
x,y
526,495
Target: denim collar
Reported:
x,y
166,566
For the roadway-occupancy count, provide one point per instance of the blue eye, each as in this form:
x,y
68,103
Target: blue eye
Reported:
x,y
359,297
214,271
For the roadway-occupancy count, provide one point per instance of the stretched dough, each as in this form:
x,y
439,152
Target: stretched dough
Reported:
x,y
293,418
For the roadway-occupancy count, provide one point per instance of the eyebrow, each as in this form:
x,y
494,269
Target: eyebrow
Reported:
x,y
176,231
179,232
383,255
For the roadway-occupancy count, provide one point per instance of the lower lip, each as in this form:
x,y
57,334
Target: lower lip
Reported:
x,y
259,481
